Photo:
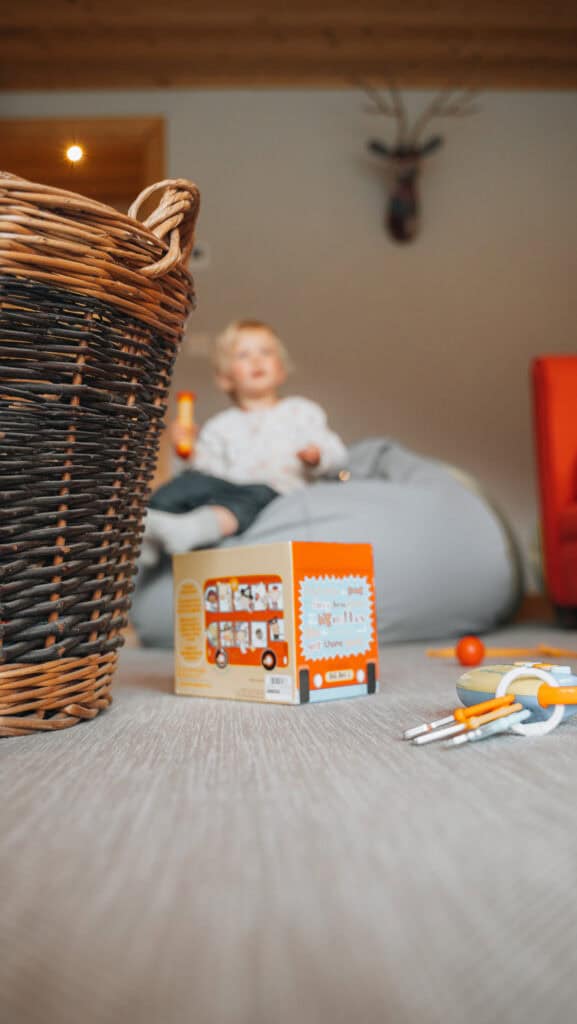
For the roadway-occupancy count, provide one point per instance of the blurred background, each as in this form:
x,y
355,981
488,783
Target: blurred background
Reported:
x,y
265,108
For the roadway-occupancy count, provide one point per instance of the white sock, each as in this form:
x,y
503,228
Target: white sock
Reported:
x,y
174,533
149,552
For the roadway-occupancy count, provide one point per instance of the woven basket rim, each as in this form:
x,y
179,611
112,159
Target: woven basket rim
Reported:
x,y
175,218
39,192
69,241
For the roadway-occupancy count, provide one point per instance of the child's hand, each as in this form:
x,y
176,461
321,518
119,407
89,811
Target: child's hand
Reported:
x,y
311,455
183,439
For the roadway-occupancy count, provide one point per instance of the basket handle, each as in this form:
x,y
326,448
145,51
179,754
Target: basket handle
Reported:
x,y
175,217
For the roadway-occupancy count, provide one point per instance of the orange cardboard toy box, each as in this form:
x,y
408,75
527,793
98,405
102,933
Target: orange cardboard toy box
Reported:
x,y
285,623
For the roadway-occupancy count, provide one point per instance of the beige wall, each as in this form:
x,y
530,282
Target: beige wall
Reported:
x,y
429,343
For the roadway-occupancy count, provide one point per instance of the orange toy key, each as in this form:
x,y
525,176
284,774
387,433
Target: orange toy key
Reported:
x,y
468,724
460,715
550,695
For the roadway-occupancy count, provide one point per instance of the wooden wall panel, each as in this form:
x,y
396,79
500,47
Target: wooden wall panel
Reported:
x,y
123,155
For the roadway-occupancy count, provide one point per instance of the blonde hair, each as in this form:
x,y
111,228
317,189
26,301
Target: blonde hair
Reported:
x,y
224,343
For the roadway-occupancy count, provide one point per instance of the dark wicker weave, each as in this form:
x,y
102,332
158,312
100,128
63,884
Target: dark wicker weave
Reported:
x,y
92,308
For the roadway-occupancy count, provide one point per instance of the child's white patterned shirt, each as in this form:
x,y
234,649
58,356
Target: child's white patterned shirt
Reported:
x,y
260,446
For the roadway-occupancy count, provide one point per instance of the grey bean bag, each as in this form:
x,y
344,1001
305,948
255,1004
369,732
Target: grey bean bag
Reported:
x,y
445,560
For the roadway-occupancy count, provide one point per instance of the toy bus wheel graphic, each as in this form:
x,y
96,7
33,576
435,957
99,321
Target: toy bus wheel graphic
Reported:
x,y
268,660
221,658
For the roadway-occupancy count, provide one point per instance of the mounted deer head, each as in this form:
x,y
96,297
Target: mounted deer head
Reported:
x,y
405,156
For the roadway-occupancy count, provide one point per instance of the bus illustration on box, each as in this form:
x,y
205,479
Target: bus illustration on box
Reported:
x,y
244,621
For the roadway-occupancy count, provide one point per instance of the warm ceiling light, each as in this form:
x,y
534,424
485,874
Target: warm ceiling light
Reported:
x,y
75,154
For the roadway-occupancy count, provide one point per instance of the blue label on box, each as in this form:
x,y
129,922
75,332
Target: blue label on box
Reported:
x,y
336,616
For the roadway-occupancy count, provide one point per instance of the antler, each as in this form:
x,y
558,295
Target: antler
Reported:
x,y
397,110
441,107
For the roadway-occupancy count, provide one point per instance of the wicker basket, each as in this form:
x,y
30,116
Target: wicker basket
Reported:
x,y
92,306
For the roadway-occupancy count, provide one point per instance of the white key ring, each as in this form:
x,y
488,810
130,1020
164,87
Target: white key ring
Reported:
x,y
533,728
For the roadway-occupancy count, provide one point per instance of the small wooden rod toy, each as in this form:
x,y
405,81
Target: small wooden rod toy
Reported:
x,y
470,724
460,715
542,650
500,725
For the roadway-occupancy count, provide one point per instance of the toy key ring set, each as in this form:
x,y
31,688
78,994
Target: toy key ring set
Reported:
x,y
502,699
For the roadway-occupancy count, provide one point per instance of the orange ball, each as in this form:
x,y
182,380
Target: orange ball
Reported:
x,y
470,650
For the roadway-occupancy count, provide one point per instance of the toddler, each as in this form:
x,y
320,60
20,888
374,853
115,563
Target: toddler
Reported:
x,y
260,447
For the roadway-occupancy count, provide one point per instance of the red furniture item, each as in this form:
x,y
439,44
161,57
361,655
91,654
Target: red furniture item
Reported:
x,y
555,418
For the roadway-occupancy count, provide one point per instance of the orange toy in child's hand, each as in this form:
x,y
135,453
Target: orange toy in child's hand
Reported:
x,y
470,650
183,440
184,430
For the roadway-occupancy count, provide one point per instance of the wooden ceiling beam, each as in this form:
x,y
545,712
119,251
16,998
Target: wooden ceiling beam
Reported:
x,y
302,43
504,74
132,14
493,45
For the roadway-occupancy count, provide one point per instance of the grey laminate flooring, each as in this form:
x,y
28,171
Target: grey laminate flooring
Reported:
x,y
180,860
